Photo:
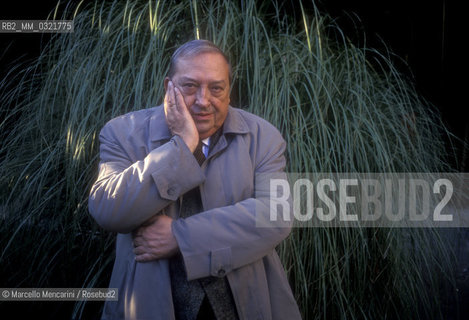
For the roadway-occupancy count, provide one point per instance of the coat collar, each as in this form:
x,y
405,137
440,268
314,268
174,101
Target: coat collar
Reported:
x,y
158,128
234,123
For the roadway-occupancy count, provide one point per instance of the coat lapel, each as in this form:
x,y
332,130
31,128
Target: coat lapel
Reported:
x,y
234,124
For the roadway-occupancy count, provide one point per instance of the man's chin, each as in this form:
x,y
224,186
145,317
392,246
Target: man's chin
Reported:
x,y
206,132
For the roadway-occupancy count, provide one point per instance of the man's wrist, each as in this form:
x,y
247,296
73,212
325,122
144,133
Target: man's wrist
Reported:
x,y
191,143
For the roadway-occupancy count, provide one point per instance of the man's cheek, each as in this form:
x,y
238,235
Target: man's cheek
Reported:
x,y
220,104
188,100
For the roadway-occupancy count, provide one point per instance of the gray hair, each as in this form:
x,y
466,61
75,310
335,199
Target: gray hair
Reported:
x,y
192,49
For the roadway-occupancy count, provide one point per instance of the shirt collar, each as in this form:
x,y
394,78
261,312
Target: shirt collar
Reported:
x,y
206,142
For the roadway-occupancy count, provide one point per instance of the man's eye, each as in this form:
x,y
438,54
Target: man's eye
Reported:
x,y
189,85
217,89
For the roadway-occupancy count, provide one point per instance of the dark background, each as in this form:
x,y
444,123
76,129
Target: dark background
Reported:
x,y
429,36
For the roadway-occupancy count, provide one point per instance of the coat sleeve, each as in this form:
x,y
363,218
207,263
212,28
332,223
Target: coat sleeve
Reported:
x,y
217,241
126,192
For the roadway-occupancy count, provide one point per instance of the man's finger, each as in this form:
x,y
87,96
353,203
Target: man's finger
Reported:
x,y
169,98
138,241
145,257
172,96
138,251
180,103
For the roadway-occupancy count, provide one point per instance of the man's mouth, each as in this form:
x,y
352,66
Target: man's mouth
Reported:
x,y
202,116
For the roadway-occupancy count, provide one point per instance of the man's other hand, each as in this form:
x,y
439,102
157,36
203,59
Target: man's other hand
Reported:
x,y
154,240
178,118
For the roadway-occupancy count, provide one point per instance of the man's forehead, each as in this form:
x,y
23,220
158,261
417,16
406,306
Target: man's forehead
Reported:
x,y
203,62
183,78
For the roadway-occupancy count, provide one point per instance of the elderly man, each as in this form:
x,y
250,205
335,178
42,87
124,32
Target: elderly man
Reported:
x,y
179,184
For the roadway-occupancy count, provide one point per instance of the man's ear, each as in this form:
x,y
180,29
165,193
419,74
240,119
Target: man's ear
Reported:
x,y
166,81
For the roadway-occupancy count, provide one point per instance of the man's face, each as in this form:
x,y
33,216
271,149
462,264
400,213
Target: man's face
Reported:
x,y
204,82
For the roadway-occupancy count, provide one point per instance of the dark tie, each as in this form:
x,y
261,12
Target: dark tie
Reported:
x,y
206,298
191,202
199,154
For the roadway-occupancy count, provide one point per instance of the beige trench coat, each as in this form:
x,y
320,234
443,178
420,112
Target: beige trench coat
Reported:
x,y
143,171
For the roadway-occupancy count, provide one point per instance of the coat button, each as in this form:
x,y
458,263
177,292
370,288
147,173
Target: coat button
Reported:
x,y
171,191
221,272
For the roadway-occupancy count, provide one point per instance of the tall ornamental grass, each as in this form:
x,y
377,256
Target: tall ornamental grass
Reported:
x,y
341,108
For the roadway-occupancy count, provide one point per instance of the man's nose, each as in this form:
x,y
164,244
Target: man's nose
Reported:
x,y
203,97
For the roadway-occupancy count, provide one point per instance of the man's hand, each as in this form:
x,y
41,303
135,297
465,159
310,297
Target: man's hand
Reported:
x,y
178,118
154,240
